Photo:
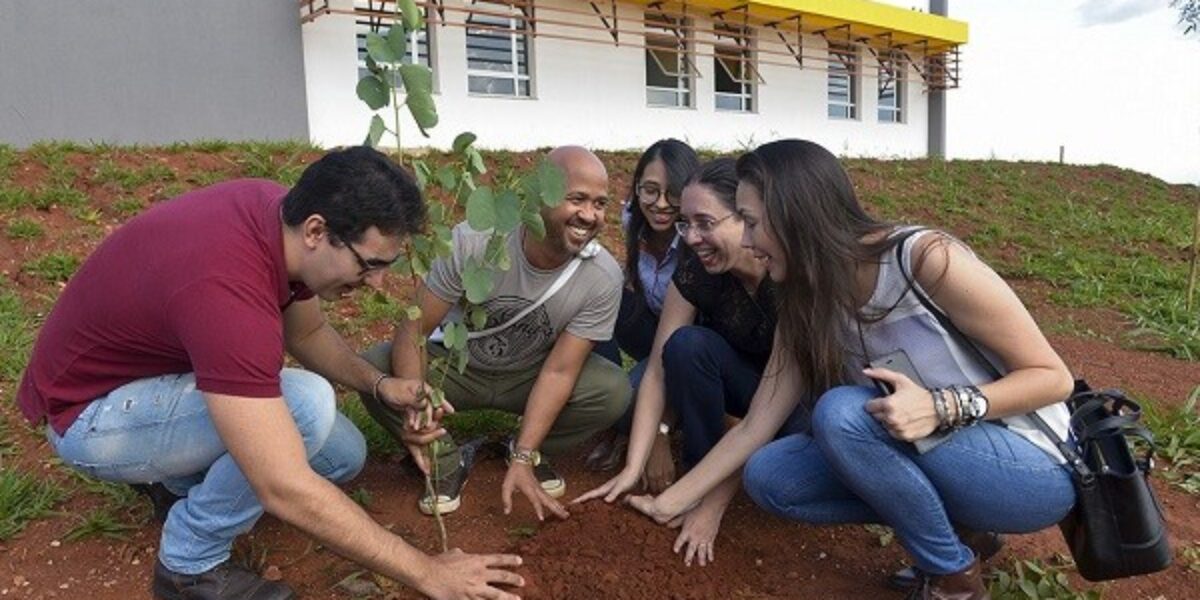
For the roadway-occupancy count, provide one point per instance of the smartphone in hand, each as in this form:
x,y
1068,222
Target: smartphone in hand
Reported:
x,y
899,362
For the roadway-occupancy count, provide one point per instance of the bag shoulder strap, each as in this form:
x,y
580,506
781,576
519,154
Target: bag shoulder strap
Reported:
x,y
1067,449
589,251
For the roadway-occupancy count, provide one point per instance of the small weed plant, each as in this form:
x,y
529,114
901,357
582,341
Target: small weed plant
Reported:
x,y
1035,580
24,498
53,267
100,522
24,229
16,335
1177,436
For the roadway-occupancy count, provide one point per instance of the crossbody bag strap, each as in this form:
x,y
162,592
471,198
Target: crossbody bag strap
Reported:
x,y
550,291
1067,449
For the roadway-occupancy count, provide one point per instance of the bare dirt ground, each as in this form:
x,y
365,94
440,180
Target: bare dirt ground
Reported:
x,y
601,551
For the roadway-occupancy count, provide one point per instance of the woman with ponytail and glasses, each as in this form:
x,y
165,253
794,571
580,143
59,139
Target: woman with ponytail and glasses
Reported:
x,y
651,254
935,459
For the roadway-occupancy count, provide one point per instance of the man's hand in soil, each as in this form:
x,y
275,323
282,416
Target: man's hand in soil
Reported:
x,y
660,466
613,488
461,576
520,477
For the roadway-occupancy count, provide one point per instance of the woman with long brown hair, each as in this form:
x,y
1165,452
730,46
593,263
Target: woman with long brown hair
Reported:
x,y
931,446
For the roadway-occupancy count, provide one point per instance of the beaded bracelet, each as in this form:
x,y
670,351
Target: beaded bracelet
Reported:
x,y
939,405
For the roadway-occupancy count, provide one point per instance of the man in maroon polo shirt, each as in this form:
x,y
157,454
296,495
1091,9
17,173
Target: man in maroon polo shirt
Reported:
x,y
162,362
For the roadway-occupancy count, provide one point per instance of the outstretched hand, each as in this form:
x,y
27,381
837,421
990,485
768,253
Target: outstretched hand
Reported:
x,y
613,488
698,534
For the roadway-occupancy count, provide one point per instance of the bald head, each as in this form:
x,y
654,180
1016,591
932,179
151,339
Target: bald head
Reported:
x,y
577,160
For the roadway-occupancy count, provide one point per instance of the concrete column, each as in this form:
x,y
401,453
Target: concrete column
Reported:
x,y
937,100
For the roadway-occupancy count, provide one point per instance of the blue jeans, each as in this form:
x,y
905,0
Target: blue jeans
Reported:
x,y
158,430
984,478
705,379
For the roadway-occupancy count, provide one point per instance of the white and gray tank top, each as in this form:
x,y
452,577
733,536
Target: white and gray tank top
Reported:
x,y
938,356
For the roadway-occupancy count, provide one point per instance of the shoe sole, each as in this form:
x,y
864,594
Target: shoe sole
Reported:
x,y
445,507
555,490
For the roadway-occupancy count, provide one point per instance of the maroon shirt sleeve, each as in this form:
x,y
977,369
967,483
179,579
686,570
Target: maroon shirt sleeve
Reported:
x,y
233,335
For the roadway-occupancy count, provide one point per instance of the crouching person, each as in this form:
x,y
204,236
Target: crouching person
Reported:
x,y
543,317
162,362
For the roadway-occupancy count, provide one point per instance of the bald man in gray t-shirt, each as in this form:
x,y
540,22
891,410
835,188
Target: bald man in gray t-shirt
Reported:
x,y
540,367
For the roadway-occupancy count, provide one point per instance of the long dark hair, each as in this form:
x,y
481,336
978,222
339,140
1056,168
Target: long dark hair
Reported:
x,y
820,226
680,161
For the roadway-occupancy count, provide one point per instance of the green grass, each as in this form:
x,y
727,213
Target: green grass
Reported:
x,y
8,158
107,172
128,206
58,195
100,522
379,441
261,160
13,197
1102,237
16,335
1177,437
1035,580
24,498
53,267
22,228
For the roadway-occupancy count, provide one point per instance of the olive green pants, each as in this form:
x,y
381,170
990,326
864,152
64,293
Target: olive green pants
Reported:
x,y
599,398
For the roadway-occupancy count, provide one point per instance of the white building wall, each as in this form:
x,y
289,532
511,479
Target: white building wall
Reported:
x,y
595,95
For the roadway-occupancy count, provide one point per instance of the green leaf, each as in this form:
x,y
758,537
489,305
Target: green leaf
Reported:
x,y
436,210
373,66
423,175
448,333
477,279
411,15
481,209
397,42
376,131
508,211
478,317
423,110
412,312
460,336
462,362
476,164
533,221
373,91
552,183
437,397
418,79
379,49
447,177
462,141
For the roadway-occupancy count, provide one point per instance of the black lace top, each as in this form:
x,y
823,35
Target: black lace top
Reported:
x,y
724,305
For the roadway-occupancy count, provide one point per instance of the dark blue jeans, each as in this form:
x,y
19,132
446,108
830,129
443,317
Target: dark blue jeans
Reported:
x,y
850,470
634,331
705,380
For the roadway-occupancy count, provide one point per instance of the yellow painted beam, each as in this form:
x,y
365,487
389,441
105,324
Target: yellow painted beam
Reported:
x,y
864,16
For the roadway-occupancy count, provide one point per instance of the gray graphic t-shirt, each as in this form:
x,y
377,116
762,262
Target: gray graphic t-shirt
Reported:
x,y
585,307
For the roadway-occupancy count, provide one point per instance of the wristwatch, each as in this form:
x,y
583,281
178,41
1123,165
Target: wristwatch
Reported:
x,y
527,456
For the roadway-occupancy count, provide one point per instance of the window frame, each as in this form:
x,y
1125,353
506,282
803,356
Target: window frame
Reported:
x,y
737,46
518,44
838,70
892,70
672,32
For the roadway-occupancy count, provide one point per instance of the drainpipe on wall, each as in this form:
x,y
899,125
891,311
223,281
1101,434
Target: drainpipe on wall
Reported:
x,y
937,100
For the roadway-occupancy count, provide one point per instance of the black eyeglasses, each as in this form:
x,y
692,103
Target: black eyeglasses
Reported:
x,y
365,265
649,193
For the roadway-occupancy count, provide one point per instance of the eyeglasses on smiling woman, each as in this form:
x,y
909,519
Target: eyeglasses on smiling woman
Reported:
x,y
702,226
649,193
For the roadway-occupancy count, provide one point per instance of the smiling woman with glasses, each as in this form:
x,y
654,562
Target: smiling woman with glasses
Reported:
x,y
651,247
713,340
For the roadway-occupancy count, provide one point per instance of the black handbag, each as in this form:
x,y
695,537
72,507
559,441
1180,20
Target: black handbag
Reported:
x,y
1116,528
